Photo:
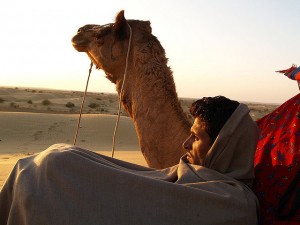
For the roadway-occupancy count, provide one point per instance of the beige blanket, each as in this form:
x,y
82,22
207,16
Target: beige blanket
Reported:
x,y
68,185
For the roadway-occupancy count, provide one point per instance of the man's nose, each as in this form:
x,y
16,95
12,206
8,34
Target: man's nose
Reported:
x,y
187,144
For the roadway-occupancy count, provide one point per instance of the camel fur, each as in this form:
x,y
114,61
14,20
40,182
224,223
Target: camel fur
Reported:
x,y
149,95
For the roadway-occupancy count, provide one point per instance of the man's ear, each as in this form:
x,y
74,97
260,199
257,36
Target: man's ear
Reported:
x,y
120,26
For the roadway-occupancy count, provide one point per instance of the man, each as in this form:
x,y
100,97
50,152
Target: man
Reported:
x,y
210,116
210,185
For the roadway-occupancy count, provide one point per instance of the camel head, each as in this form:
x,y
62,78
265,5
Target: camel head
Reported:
x,y
107,45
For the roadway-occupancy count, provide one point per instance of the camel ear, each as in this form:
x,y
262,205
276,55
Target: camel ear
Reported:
x,y
120,26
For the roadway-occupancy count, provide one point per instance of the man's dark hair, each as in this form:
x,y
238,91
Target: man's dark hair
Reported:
x,y
213,112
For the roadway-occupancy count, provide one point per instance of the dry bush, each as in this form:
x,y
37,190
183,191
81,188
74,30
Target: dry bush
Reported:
x,y
93,105
70,105
46,102
14,105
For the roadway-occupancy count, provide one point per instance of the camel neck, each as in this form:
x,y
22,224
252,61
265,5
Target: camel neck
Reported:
x,y
158,117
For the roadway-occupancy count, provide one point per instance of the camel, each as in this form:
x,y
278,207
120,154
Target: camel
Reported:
x,y
149,95
151,100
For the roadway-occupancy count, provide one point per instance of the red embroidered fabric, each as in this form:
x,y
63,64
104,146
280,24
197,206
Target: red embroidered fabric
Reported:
x,y
277,164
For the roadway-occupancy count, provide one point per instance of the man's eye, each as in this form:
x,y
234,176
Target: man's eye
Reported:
x,y
195,137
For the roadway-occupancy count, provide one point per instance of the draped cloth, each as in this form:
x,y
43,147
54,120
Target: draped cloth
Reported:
x,y
277,166
69,185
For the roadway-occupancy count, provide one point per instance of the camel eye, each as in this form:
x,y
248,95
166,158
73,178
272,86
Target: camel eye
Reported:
x,y
99,39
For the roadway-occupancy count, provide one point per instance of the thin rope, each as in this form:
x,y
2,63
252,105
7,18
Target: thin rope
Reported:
x,y
82,103
121,92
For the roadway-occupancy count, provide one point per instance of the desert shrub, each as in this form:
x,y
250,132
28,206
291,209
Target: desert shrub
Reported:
x,y
29,102
14,105
46,102
101,110
1,100
70,105
33,91
93,105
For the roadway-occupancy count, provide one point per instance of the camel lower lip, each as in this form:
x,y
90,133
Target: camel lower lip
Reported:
x,y
80,48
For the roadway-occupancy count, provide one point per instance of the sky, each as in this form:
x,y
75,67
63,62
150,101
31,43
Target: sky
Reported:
x,y
217,47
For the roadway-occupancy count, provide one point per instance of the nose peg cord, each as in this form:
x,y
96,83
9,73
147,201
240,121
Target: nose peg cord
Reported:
x,y
120,97
82,103
121,93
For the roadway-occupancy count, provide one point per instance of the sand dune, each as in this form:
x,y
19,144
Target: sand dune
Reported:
x,y
33,119
33,132
23,134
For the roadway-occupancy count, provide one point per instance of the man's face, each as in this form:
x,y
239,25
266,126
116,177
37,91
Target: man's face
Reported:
x,y
198,143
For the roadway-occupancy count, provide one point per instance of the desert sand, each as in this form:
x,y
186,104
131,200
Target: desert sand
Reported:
x,y
23,134
34,119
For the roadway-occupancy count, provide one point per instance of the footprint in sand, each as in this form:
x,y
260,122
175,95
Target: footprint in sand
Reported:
x,y
55,127
37,135
5,158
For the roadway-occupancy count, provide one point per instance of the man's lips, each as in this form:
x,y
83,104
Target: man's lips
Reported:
x,y
189,156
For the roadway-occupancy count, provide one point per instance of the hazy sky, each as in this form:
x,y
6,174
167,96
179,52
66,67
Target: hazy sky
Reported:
x,y
216,47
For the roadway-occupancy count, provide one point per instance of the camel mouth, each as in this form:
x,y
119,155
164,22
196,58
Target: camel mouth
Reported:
x,y
80,48
80,45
